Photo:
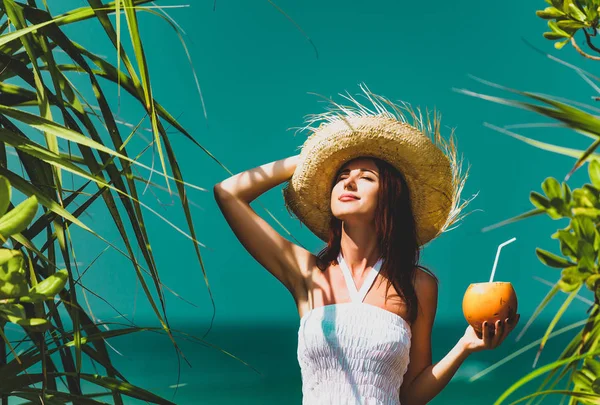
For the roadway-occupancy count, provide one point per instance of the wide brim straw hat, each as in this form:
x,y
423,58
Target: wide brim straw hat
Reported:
x,y
394,133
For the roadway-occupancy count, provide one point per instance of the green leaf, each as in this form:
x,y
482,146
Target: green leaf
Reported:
x,y
567,286
47,288
583,397
572,276
540,371
592,13
549,296
587,259
124,388
52,397
553,36
17,219
520,217
566,192
13,281
539,201
568,243
571,117
14,311
588,375
4,195
594,172
592,283
522,350
558,209
583,158
593,365
584,228
584,197
59,131
551,188
576,13
5,39
557,30
570,25
549,13
589,212
552,260
34,324
556,318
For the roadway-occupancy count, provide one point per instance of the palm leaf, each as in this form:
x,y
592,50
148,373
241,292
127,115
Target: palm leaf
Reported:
x,y
542,370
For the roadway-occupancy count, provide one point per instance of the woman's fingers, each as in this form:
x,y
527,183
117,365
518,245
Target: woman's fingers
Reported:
x,y
509,327
498,333
486,334
506,327
493,335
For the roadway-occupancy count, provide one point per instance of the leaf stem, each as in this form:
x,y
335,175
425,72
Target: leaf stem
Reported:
x,y
578,49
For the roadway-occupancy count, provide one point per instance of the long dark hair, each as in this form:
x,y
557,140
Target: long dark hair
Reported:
x,y
396,234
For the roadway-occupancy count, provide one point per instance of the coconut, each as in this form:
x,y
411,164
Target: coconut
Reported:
x,y
491,301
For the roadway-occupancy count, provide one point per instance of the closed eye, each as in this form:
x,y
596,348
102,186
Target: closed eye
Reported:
x,y
363,177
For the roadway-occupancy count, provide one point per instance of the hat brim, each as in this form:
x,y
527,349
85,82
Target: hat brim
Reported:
x,y
427,170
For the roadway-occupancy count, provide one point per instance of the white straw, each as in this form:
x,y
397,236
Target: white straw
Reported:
x,y
498,255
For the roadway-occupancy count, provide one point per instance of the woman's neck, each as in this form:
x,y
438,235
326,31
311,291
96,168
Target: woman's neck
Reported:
x,y
359,247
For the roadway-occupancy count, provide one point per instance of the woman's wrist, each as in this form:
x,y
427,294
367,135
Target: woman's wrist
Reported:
x,y
290,163
465,347
250,184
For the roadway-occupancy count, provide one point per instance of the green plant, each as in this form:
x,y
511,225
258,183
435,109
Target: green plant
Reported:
x,y
55,133
21,293
567,17
56,119
578,366
14,289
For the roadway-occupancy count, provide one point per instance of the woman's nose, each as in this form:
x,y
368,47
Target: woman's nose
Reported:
x,y
349,182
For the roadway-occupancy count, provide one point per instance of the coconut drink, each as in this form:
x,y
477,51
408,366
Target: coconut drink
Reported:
x,y
490,301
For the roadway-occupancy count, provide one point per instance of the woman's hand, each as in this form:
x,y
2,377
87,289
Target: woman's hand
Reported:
x,y
492,335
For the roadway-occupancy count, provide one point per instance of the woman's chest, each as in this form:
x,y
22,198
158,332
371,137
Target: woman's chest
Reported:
x,y
329,287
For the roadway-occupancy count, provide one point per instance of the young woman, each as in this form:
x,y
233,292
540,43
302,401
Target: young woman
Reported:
x,y
375,189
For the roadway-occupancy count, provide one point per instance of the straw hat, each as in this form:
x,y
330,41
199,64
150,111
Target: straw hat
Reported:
x,y
428,162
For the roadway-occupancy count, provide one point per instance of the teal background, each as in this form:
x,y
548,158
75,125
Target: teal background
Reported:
x,y
256,71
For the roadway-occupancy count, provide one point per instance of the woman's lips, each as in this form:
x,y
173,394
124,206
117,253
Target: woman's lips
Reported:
x,y
348,198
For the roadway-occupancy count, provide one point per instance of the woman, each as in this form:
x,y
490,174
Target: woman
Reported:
x,y
375,189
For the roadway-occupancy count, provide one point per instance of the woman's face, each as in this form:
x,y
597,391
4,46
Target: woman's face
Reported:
x,y
359,181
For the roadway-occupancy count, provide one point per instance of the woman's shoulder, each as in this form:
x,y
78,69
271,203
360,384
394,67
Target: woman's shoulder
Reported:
x,y
426,283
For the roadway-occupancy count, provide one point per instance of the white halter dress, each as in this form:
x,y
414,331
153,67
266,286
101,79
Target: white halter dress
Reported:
x,y
353,353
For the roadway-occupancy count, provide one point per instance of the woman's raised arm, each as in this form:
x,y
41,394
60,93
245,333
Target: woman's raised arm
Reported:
x,y
288,262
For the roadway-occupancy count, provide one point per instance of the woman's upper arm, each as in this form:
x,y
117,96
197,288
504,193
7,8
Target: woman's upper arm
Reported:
x,y
426,289
288,262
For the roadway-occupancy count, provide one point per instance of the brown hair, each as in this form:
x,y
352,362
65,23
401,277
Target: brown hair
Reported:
x,y
396,234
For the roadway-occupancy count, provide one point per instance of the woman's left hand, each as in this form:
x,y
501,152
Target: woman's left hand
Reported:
x,y
492,335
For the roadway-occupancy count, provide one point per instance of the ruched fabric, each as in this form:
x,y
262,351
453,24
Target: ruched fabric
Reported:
x,y
353,353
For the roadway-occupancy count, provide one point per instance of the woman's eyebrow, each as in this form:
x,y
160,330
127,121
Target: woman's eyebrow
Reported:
x,y
363,169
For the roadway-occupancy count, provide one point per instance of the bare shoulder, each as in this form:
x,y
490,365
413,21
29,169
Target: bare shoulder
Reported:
x,y
426,288
425,280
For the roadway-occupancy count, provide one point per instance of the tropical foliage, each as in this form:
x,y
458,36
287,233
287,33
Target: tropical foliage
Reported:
x,y
575,375
57,124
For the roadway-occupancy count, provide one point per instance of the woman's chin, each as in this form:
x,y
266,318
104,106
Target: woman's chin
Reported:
x,y
351,216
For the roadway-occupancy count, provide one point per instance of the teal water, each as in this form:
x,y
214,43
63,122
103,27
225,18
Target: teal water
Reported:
x,y
256,71
273,375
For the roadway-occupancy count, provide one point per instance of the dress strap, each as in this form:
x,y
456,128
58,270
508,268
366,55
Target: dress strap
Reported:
x,y
358,296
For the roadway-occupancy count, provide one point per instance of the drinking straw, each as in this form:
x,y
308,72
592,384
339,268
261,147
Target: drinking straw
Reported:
x,y
498,255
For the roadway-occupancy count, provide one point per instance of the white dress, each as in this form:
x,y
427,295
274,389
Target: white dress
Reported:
x,y
353,353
